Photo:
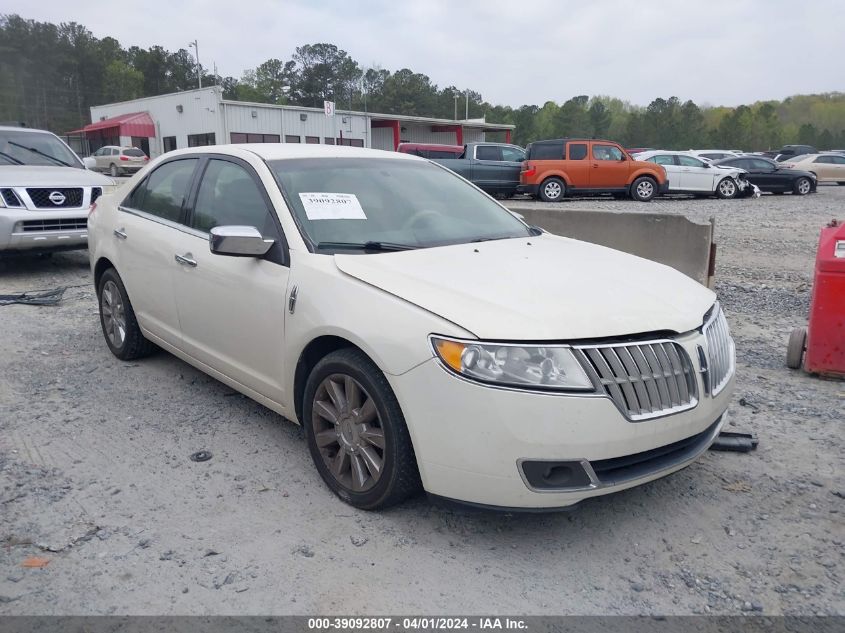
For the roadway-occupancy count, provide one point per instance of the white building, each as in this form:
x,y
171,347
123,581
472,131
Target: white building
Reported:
x,y
203,117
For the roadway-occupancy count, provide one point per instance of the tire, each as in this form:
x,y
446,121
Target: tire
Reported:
x,y
113,171
644,189
802,186
841,184
378,476
117,319
795,348
552,190
727,189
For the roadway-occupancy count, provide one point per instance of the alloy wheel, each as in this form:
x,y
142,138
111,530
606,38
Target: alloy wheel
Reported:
x,y
114,314
803,186
645,189
552,190
348,432
727,188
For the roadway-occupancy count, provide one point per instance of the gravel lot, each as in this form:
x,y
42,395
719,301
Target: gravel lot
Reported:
x,y
95,479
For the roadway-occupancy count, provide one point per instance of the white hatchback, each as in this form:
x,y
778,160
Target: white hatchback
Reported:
x,y
422,334
690,174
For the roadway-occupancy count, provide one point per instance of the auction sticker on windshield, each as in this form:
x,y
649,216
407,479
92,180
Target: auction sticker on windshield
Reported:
x,y
332,206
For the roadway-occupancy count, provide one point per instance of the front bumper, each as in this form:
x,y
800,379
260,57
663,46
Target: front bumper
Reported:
x,y
24,230
663,188
472,441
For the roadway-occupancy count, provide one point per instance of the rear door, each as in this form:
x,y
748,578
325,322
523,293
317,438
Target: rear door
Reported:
x,y
609,166
148,224
673,170
492,172
694,176
577,165
232,309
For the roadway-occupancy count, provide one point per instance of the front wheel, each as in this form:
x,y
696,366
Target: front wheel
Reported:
x,y
803,186
356,432
727,189
552,190
644,189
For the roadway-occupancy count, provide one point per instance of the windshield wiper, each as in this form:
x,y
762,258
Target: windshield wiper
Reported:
x,y
40,153
11,158
366,246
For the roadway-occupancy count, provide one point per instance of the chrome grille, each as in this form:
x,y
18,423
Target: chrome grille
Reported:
x,y
71,197
64,224
721,352
645,380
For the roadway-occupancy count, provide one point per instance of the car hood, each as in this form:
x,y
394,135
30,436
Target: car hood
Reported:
x,y
539,288
35,176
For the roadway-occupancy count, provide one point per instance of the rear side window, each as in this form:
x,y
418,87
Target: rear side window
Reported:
x,y
546,151
164,191
228,195
577,151
133,152
715,156
488,152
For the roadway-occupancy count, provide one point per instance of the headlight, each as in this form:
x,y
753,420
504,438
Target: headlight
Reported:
x,y
107,189
548,367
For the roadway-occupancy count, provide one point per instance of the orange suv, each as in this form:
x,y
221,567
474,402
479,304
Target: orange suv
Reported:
x,y
554,169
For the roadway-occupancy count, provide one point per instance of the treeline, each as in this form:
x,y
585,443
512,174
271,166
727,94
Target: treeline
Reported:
x,y
51,74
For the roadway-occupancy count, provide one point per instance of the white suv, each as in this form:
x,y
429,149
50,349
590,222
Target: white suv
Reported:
x,y
45,192
422,334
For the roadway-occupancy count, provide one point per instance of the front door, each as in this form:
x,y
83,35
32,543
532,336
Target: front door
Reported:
x,y
232,309
148,224
609,167
695,175
492,172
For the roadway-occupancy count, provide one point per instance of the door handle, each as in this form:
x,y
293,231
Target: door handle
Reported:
x,y
185,260
120,233
595,165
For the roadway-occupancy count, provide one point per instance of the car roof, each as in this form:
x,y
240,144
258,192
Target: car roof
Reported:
x,y
282,151
567,140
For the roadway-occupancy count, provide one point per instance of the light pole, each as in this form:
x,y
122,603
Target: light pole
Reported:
x,y
456,96
466,116
199,68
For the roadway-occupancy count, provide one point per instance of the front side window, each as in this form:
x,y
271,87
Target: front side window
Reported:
x,y
164,191
229,196
689,161
663,159
577,151
606,152
412,203
513,154
488,152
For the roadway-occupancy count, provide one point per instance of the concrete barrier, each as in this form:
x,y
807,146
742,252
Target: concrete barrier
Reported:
x,y
669,239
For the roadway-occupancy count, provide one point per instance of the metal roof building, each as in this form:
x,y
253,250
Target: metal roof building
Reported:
x,y
203,117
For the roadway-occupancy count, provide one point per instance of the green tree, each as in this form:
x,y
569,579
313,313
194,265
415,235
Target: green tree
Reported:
x,y
600,119
121,82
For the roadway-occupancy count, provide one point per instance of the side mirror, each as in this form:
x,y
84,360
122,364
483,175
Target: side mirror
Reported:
x,y
707,165
238,241
90,162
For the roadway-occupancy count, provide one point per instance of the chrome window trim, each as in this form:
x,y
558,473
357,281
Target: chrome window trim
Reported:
x,y
163,221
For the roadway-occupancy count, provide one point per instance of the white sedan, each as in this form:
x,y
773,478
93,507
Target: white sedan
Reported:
x,y
690,174
423,335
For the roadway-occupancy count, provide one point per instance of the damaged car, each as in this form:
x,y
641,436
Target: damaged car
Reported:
x,y
689,174
423,336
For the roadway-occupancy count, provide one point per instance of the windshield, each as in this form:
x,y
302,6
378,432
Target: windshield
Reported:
x,y
133,152
35,148
383,200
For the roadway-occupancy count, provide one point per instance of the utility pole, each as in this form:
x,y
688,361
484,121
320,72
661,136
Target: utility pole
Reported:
x,y
466,116
457,96
199,68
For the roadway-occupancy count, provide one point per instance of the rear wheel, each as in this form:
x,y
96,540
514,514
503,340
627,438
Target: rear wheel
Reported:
x,y
802,186
644,189
795,348
113,171
552,190
727,189
117,318
356,432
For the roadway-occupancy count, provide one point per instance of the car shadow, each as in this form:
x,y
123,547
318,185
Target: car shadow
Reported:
x,y
24,265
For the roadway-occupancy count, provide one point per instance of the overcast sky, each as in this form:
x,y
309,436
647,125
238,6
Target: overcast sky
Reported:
x,y
716,52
